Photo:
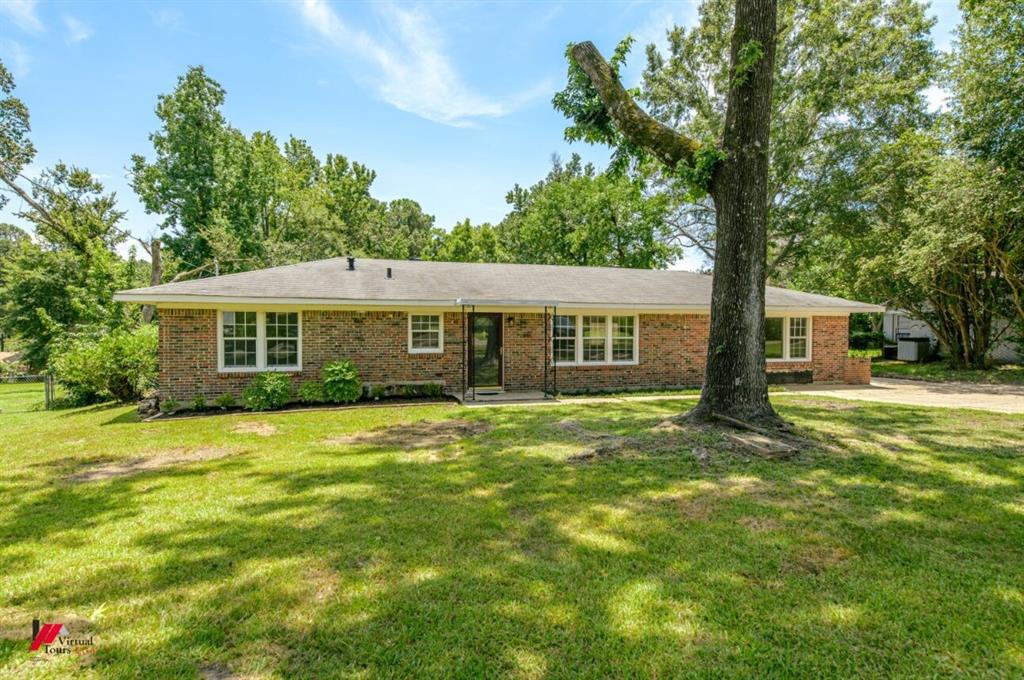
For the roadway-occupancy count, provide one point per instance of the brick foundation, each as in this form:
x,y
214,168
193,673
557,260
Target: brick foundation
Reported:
x,y
672,350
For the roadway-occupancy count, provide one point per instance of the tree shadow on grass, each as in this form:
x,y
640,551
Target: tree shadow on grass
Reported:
x,y
498,558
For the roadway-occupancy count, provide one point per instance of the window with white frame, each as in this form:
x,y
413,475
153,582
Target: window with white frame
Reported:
x,y
786,338
623,338
426,333
594,339
282,339
564,339
255,341
798,338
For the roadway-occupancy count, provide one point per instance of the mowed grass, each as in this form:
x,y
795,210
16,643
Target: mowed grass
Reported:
x,y
895,548
940,371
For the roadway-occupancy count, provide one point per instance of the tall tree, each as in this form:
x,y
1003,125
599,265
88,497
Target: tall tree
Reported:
x,y
468,243
849,78
988,85
734,174
181,182
16,150
987,121
579,216
65,283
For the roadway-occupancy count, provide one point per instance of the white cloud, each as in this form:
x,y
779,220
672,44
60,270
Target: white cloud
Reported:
x,y
937,98
169,17
78,30
16,57
410,69
23,14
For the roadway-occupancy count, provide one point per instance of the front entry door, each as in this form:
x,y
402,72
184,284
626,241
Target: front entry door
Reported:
x,y
485,363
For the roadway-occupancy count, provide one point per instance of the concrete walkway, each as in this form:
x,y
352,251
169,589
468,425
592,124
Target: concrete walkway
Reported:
x,y
999,398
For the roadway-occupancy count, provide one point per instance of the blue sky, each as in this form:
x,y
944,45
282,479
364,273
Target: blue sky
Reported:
x,y
448,101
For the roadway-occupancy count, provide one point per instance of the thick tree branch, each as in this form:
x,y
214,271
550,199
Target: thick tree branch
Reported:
x,y
666,144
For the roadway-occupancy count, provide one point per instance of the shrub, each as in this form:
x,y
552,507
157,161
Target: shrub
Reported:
x,y
866,340
226,400
169,406
199,403
268,391
119,365
312,392
341,382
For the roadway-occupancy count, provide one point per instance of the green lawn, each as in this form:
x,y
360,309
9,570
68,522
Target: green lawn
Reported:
x,y
940,371
894,548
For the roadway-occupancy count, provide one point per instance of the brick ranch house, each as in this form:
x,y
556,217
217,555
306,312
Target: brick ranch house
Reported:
x,y
528,328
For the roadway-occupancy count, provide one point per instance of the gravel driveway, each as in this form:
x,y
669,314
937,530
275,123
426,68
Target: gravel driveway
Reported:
x,y
999,398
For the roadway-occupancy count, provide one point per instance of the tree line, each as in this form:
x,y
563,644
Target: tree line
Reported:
x,y
871,194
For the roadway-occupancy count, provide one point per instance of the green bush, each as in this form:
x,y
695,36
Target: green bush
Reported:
x,y
120,365
866,340
312,392
341,382
169,406
226,400
199,403
268,391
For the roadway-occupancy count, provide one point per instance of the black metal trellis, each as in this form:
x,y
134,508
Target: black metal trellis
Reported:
x,y
554,362
547,347
464,343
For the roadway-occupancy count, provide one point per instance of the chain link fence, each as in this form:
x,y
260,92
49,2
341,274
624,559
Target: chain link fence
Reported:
x,y
49,384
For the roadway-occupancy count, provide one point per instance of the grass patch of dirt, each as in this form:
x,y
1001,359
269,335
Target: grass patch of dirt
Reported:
x,y
261,429
158,461
423,434
760,524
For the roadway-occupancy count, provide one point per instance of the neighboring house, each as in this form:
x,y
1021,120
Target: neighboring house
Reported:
x,y
898,323
530,327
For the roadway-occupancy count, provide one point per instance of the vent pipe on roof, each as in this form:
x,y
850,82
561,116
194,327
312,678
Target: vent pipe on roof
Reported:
x,y
351,264
388,275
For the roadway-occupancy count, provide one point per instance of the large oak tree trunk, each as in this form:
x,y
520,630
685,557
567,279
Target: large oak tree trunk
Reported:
x,y
734,381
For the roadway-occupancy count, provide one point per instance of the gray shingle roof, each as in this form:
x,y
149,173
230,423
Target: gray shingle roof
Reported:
x,y
449,283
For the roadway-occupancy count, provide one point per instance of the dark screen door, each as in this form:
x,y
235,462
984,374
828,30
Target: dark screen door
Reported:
x,y
486,345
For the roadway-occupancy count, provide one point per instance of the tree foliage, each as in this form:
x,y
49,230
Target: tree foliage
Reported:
x,y
574,216
848,78
233,203
63,283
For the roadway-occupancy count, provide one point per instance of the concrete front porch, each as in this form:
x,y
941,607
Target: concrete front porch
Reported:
x,y
486,397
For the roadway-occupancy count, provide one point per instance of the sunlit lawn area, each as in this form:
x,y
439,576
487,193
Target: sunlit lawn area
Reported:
x,y
894,548
940,371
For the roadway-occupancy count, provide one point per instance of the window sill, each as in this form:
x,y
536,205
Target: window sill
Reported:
x,y
788,361
584,364
228,370
427,351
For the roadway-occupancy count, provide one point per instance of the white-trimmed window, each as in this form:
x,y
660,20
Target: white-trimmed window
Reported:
x,y
594,339
787,338
426,334
259,341
564,339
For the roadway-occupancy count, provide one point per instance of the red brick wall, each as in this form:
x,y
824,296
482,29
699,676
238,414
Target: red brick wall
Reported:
x,y
858,371
377,342
672,350
671,354
829,345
